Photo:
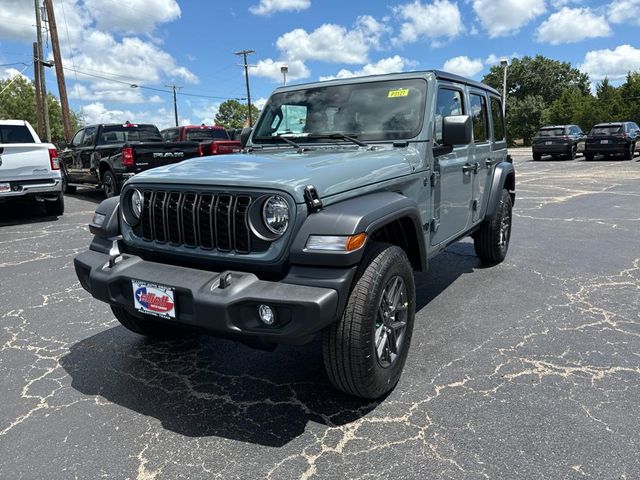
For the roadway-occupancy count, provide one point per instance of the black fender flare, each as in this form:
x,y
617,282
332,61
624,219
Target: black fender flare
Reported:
x,y
366,214
110,226
504,176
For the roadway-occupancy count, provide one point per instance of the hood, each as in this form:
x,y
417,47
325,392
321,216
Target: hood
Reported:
x,y
331,171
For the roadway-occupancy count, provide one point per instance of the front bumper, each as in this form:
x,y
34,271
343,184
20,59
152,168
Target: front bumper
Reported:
x,y
20,188
301,310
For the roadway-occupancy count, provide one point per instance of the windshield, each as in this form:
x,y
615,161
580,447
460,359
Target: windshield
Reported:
x,y
551,132
15,134
608,130
367,111
126,134
205,134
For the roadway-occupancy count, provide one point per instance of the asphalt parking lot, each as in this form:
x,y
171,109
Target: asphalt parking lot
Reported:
x,y
530,369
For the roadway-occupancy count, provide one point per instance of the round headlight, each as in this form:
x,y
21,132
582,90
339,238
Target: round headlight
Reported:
x,y
136,204
275,214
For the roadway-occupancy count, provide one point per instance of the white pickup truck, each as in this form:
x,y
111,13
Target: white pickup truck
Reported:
x,y
28,167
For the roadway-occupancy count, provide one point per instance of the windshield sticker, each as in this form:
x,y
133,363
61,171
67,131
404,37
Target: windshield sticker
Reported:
x,y
401,92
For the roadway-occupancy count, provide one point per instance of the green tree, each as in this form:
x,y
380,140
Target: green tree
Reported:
x,y
233,114
573,107
525,117
18,101
630,96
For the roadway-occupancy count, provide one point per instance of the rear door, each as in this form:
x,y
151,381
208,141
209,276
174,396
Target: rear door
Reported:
x,y
451,195
482,159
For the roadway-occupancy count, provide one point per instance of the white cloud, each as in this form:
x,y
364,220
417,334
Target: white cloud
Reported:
x,y
132,16
493,59
625,11
270,68
385,65
614,64
7,73
260,102
206,113
437,20
463,65
97,112
267,7
505,17
571,25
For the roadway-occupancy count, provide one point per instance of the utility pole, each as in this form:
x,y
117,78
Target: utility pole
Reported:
x,y
175,101
43,83
36,81
57,57
246,66
284,69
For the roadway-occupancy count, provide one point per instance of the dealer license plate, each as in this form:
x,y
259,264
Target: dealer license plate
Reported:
x,y
548,143
5,187
604,141
154,299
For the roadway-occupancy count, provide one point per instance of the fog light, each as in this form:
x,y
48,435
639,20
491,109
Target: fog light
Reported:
x,y
267,315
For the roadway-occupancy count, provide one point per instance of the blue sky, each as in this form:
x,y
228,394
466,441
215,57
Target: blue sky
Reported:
x,y
109,45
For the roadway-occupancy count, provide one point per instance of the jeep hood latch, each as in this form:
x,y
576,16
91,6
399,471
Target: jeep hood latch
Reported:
x,y
312,199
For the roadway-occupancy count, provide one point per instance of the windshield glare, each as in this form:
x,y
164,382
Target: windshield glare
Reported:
x,y
368,111
609,130
551,132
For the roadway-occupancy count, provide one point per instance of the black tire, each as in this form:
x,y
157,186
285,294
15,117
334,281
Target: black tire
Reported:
x,y
147,325
55,207
573,152
629,152
110,184
537,157
588,156
351,358
66,188
491,242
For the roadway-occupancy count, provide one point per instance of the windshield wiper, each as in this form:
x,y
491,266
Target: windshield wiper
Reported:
x,y
341,136
290,142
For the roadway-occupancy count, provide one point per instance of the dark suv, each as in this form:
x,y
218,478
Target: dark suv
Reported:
x,y
617,138
558,140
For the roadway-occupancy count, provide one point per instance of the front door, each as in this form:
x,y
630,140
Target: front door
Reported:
x,y
452,188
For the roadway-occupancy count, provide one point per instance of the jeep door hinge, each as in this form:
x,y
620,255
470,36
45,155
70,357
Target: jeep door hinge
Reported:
x,y
312,199
435,178
434,224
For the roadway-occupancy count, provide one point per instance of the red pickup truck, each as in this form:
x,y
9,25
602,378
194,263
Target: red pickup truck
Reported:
x,y
213,140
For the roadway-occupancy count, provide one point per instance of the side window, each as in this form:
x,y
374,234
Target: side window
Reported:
x,y
479,118
89,136
75,141
449,102
497,119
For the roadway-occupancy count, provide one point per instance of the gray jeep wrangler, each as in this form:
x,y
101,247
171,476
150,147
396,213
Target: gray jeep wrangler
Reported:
x,y
344,189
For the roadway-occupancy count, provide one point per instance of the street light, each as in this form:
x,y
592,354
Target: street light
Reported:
x,y
505,64
284,70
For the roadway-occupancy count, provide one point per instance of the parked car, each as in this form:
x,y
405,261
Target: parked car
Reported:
x,y
617,138
557,141
347,187
28,167
214,140
106,155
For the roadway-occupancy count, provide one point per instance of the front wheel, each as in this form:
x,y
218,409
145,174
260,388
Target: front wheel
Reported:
x,y
491,241
365,351
588,156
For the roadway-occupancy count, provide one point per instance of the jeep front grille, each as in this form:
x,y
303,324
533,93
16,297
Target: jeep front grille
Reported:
x,y
206,220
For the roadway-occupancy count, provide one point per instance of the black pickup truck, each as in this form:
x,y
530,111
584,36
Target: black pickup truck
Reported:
x,y
106,155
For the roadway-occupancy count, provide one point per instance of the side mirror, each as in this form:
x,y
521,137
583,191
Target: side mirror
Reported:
x,y
456,130
244,136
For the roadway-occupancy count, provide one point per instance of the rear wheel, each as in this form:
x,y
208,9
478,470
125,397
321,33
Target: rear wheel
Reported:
x,y
491,242
365,351
537,157
147,325
55,207
573,152
110,184
628,154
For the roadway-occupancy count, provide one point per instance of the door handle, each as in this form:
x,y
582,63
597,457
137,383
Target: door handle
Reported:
x,y
468,168
489,162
